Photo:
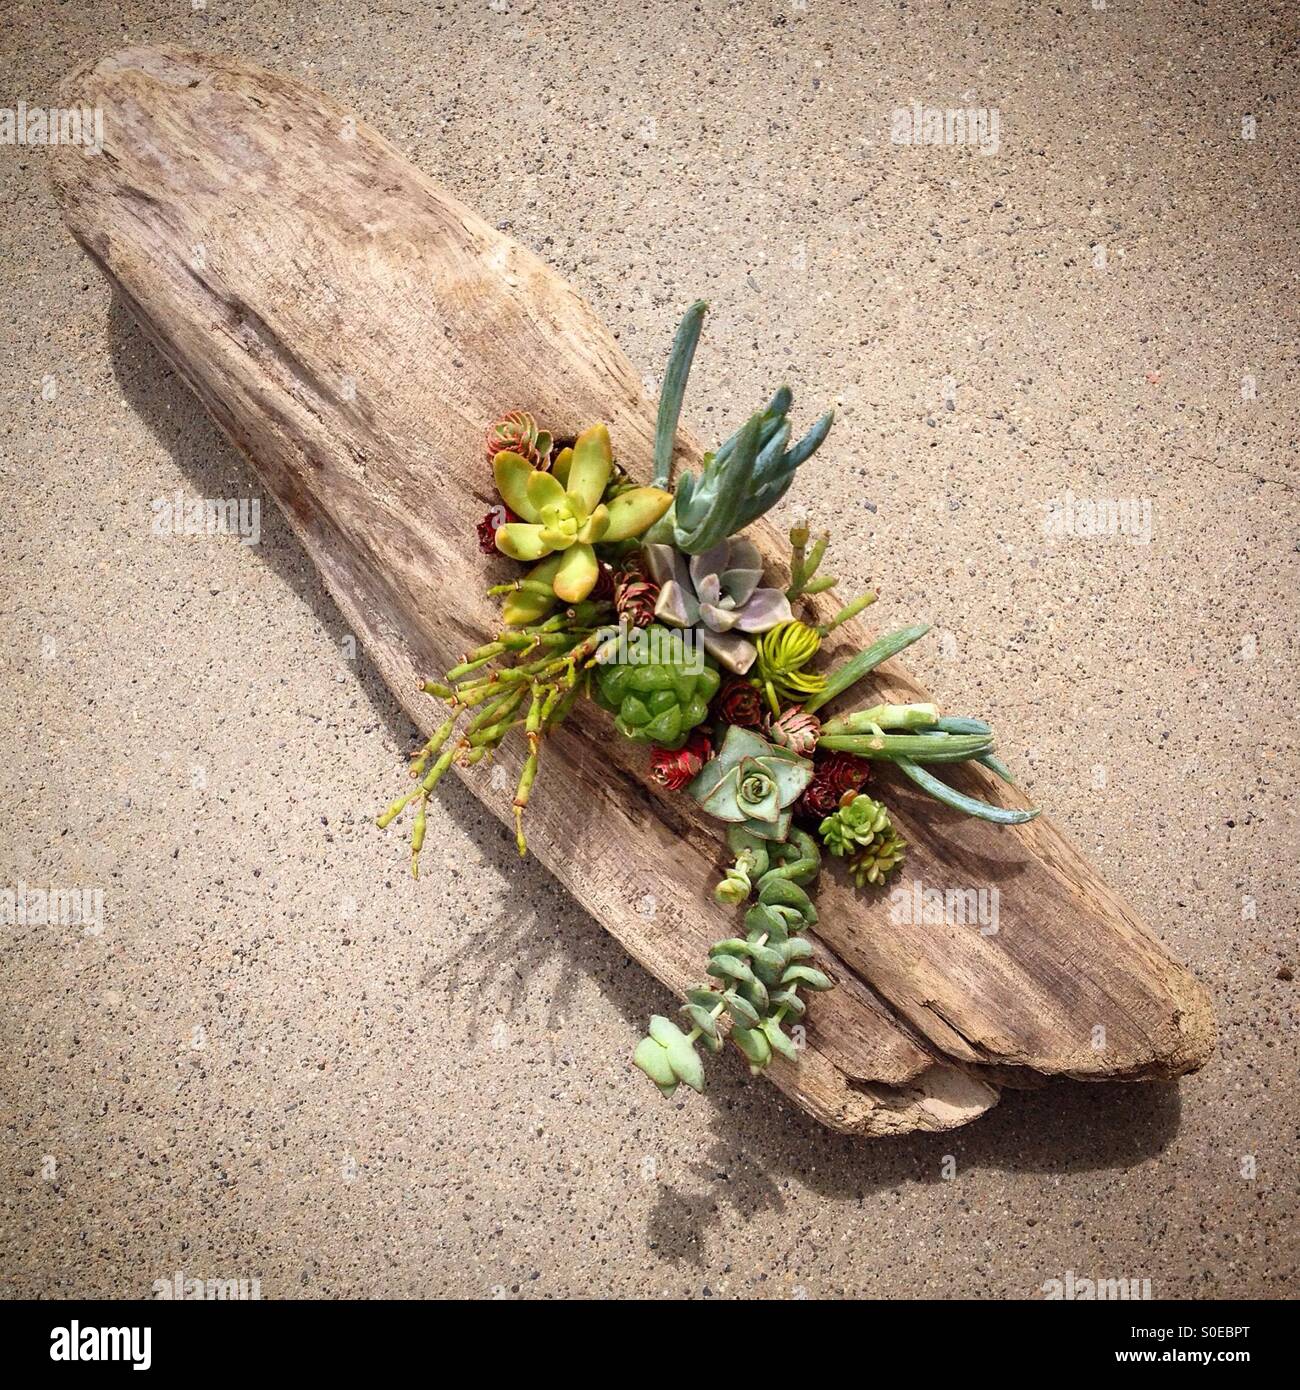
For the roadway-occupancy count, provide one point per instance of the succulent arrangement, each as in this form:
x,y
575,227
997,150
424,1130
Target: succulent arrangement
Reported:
x,y
648,601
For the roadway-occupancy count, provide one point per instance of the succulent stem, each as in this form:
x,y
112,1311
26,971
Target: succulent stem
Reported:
x,y
417,835
532,728
850,610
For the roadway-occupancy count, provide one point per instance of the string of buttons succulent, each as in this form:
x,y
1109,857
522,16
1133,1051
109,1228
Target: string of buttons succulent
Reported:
x,y
651,602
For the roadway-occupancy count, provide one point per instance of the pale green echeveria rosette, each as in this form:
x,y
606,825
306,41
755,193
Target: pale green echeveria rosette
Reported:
x,y
752,783
719,594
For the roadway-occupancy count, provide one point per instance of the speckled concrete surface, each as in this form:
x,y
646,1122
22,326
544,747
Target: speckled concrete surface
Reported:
x,y
281,1059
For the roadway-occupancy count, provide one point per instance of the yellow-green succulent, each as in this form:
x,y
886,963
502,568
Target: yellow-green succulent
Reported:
x,y
564,518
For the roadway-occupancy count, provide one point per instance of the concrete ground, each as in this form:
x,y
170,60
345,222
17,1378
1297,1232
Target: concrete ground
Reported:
x,y
280,1059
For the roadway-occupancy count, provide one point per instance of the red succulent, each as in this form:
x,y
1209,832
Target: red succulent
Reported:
x,y
487,528
519,433
738,702
834,775
673,768
635,596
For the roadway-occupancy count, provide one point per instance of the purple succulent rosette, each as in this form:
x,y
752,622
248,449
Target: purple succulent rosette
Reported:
x,y
720,595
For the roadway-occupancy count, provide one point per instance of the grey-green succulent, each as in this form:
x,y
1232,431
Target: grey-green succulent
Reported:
x,y
756,978
719,594
748,474
752,783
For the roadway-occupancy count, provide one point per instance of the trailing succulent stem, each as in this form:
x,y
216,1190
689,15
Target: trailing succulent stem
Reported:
x,y
757,978
549,671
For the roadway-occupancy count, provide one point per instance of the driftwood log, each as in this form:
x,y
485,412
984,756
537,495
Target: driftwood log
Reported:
x,y
352,328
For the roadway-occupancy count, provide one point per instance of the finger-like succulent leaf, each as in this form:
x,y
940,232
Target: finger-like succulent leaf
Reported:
x,y
524,606
577,574
512,473
596,526
563,462
589,471
635,511
544,490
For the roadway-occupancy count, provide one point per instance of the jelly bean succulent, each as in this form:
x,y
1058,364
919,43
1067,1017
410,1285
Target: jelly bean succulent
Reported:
x,y
752,783
719,594
562,514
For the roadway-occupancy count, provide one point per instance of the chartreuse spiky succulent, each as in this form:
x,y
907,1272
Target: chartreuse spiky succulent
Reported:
x,y
563,516
783,657
756,978
752,783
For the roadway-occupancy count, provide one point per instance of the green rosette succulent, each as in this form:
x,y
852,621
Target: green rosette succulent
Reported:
x,y
752,783
656,686
862,831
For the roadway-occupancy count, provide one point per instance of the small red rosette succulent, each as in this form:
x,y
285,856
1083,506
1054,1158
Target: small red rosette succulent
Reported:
x,y
674,768
796,730
635,596
739,703
519,433
834,776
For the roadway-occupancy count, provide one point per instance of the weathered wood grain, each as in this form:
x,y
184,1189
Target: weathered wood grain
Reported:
x,y
352,328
